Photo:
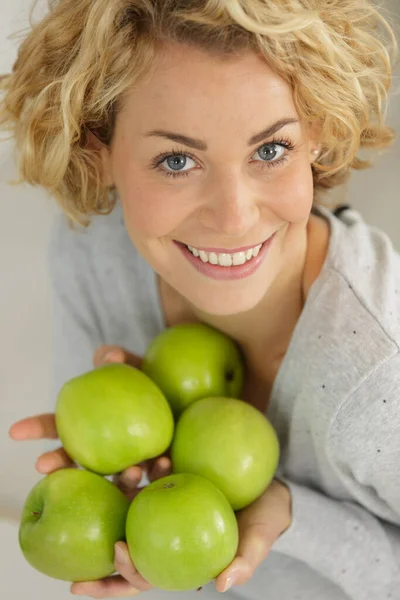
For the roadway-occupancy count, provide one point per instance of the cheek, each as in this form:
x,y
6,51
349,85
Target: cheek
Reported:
x,y
293,194
150,212
151,209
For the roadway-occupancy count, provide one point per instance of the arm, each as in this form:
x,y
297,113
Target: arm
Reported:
x,y
345,543
357,544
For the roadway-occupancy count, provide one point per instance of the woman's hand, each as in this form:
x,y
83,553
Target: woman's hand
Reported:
x,y
128,582
44,427
260,525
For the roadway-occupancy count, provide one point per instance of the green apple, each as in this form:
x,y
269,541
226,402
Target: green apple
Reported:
x,y
191,361
181,532
113,417
231,443
70,523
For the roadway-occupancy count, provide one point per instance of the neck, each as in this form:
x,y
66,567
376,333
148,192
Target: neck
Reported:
x,y
267,328
265,331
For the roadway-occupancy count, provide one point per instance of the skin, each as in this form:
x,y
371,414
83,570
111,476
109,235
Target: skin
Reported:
x,y
232,197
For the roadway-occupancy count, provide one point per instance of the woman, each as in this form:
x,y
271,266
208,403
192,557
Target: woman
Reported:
x,y
193,141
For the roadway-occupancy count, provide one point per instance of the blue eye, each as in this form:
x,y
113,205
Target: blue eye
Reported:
x,y
269,151
176,162
172,164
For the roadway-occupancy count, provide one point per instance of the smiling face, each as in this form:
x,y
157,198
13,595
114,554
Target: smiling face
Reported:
x,y
195,165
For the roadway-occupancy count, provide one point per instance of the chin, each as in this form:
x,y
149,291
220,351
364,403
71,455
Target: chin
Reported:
x,y
225,303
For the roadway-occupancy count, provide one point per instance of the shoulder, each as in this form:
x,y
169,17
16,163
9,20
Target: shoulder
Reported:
x,y
363,433
364,441
103,232
365,261
353,332
97,270
101,251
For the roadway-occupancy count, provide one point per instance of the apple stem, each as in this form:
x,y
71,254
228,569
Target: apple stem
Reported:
x,y
199,589
36,514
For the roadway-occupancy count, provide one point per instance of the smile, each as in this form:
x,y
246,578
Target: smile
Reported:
x,y
220,263
226,259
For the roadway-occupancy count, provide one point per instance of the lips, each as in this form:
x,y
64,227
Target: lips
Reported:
x,y
217,271
226,250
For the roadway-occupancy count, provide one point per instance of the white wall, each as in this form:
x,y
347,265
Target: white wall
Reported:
x,y
26,214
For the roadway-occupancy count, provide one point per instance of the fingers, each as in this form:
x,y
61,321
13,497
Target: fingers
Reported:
x,y
115,354
52,461
161,467
125,567
260,525
128,481
34,428
252,550
110,587
128,583
129,478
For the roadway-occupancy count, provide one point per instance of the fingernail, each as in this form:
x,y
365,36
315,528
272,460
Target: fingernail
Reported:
x,y
120,555
229,583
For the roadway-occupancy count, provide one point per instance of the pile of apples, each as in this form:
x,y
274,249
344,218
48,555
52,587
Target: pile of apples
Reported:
x,y
181,530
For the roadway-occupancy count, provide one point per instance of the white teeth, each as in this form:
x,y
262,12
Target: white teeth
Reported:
x,y
203,256
239,258
213,258
224,259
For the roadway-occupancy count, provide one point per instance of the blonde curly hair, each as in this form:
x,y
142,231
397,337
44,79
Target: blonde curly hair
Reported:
x,y
75,67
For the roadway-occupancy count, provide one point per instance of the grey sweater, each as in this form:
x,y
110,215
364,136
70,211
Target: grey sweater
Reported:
x,y
335,402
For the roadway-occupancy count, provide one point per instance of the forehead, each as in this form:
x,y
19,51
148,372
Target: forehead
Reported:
x,y
183,76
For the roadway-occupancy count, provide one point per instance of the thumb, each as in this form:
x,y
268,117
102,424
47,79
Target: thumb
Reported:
x,y
260,525
254,546
108,353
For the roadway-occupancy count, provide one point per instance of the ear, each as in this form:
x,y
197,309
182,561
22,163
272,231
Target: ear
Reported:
x,y
104,154
314,145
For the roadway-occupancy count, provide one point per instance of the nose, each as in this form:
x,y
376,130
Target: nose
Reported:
x,y
231,209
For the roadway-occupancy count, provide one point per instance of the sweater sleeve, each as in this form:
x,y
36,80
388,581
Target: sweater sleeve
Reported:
x,y
345,543
356,544
76,329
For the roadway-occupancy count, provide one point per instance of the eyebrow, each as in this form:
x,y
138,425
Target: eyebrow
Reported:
x,y
201,144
